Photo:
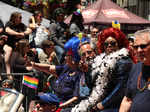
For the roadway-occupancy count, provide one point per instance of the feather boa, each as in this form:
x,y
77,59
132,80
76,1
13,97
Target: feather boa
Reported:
x,y
102,69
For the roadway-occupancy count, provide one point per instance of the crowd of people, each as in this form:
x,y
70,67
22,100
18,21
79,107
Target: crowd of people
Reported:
x,y
102,71
48,6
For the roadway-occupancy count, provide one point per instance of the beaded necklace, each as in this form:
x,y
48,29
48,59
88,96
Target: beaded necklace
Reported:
x,y
139,85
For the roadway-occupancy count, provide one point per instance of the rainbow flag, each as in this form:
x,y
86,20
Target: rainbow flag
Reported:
x,y
31,82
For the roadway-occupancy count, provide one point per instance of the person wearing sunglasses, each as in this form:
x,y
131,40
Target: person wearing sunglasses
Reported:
x,y
137,95
109,73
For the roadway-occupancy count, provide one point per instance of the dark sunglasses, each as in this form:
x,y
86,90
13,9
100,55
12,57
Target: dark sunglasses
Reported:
x,y
143,46
112,43
94,32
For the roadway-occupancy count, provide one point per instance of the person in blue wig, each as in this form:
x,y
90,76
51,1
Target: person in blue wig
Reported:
x,y
66,86
73,45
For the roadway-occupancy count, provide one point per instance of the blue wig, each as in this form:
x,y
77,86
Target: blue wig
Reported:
x,y
73,45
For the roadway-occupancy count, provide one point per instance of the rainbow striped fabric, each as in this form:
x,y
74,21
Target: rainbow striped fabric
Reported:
x,y
31,82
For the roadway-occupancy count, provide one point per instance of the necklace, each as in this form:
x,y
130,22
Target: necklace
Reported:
x,y
139,85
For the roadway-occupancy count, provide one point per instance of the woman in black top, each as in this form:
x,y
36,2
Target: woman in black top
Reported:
x,y
15,30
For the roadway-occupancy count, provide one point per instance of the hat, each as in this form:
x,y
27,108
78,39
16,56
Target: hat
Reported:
x,y
116,24
49,98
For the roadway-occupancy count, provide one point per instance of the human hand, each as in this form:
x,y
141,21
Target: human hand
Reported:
x,y
29,68
97,107
100,106
20,35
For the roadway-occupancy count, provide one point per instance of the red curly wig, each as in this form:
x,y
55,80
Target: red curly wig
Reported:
x,y
118,35
115,33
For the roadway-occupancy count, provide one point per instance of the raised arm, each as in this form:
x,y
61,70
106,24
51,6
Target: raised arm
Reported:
x,y
32,23
50,69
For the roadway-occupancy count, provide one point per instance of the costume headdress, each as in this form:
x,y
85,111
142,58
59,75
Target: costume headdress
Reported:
x,y
116,24
71,46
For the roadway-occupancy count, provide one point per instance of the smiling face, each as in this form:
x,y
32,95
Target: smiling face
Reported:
x,y
142,47
110,45
86,52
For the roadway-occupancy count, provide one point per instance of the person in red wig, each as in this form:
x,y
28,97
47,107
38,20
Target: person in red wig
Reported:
x,y
109,72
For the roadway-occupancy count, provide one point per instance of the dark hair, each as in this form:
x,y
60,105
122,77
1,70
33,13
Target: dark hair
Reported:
x,y
77,18
35,14
57,12
20,45
47,43
13,17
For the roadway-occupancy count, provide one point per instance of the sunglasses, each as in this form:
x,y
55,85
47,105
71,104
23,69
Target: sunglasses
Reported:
x,y
112,43
143,46
94,32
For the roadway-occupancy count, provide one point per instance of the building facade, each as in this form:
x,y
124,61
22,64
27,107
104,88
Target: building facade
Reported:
x,y
139,7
